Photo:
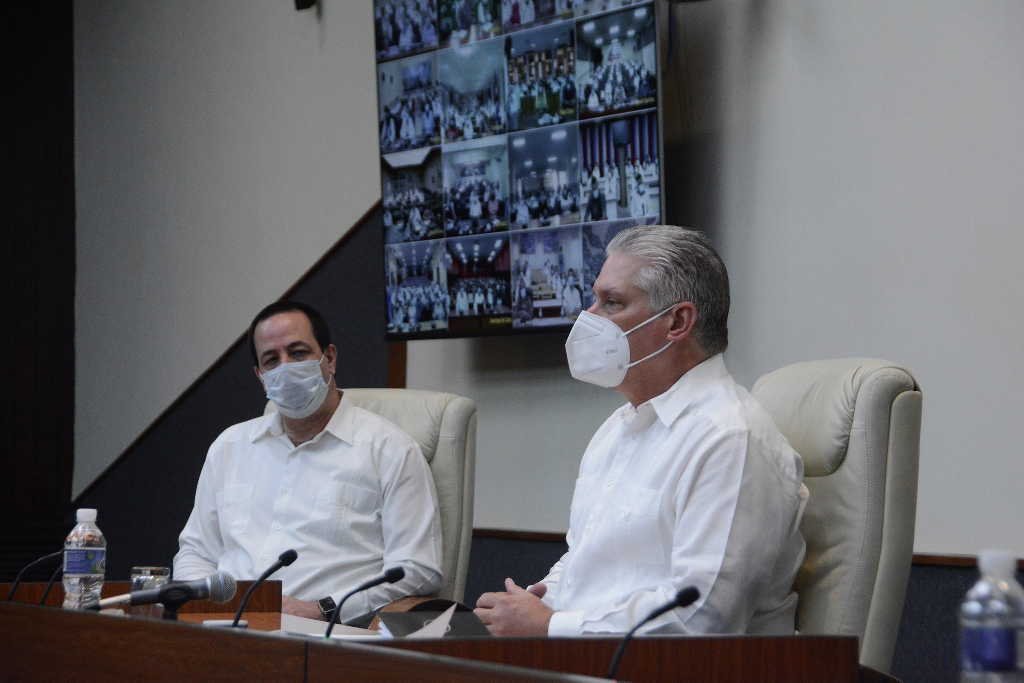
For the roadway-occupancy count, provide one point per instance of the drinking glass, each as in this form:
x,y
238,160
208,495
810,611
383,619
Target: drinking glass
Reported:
x,y
143,578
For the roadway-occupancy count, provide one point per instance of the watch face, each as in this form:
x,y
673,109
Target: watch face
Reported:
x,y
326,607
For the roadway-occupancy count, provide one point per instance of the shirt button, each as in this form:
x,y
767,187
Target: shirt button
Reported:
x,y
276,526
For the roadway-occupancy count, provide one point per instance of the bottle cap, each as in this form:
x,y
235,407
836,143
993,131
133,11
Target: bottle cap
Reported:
x,y
1000,563
86,515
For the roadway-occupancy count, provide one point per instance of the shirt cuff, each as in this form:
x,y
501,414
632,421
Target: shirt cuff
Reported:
x,y
569,623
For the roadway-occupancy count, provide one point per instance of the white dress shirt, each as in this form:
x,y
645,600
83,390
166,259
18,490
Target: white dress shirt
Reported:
x,y
355,500
695,487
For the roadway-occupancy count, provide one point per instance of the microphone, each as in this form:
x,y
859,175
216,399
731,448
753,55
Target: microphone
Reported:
x,y
39,560
390,576
684,598
219,587
283,560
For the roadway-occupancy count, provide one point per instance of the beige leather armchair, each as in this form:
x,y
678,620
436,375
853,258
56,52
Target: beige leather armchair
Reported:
x,y
444,425
857,425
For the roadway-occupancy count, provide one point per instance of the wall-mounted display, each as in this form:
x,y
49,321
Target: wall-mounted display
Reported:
x,y
516,138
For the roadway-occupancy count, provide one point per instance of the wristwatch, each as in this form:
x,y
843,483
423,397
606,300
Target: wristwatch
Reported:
x,y
327,607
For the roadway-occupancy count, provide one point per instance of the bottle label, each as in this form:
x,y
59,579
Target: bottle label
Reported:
x,y
988,649
85,561
1020,649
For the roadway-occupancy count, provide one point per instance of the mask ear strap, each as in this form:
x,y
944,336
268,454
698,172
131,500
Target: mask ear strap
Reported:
x,y
653,317
650,355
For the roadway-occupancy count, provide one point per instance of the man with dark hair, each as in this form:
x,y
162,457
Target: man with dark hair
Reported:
x,y
687,484
347,489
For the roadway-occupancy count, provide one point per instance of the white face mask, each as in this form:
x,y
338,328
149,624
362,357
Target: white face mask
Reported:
x,y
297,389
598,350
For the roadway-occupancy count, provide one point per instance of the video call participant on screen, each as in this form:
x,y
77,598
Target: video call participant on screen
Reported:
x,y
688,484
348,490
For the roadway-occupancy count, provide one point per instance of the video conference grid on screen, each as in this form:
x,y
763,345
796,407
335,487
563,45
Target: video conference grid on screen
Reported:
x,y
517,138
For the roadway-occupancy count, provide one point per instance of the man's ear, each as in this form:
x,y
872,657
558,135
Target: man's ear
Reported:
x,y
684,319
256,371
331,353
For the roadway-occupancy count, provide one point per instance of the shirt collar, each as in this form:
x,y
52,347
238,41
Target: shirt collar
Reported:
x,y
341,425
686,391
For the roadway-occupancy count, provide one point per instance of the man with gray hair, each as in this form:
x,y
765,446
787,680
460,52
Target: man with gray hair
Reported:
x,y
688,484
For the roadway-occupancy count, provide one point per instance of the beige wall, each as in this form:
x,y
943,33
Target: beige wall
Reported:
x,y
221,147
868,194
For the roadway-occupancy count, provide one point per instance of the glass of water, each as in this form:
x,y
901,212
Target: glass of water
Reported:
x,y
144,578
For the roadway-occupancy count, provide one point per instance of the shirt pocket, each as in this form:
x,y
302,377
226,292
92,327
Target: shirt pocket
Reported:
x,y
343,509
235,508
636,503
338,500
634,512
340,495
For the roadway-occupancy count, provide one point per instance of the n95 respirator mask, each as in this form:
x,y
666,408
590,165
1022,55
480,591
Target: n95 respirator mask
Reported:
x,y
598,351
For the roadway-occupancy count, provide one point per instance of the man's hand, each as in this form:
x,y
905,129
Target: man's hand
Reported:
x,y
516,612
300,608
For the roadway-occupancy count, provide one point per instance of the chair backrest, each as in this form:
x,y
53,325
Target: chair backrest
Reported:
x,y
444,425
857,424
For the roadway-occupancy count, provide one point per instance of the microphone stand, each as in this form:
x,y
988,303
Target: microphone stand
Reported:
x,y
684,598
622,649
390,576
17,579
53,577
285,559
171,608
337,610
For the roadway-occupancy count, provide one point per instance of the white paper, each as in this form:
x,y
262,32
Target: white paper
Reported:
x,y
293,625
437,628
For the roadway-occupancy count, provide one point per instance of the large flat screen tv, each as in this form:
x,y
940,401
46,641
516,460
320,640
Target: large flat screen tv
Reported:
x,y
516,138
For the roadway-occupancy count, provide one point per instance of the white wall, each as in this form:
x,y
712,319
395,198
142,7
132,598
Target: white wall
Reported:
x,y
221,147
868,191
872,205
870,199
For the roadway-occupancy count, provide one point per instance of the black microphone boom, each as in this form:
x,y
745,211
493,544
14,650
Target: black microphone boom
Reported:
x,y
684,598
38,560
390,576
283,560
49,584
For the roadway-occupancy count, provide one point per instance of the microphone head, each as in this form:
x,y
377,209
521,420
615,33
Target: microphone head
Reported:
x,y
394,574
287,557
222,587
687,596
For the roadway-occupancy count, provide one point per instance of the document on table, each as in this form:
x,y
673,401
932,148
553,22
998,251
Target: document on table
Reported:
x,y
300,626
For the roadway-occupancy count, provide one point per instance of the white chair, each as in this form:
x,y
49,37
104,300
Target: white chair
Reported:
x,y
444,425
857,425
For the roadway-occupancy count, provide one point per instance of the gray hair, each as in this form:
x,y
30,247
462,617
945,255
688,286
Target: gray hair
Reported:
x,y
681,266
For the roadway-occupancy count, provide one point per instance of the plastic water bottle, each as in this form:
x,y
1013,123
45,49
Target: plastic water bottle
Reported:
x,y
992,623
85,561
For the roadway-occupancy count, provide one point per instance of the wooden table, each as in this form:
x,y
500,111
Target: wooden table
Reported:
x,y
44,643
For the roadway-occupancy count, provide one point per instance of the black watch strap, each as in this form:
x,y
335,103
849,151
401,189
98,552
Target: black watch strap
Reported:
x,y
327,607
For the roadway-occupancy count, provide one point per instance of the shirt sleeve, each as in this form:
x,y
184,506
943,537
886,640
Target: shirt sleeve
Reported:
x,y
551,581
730,520
562,623
411,527
200,545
